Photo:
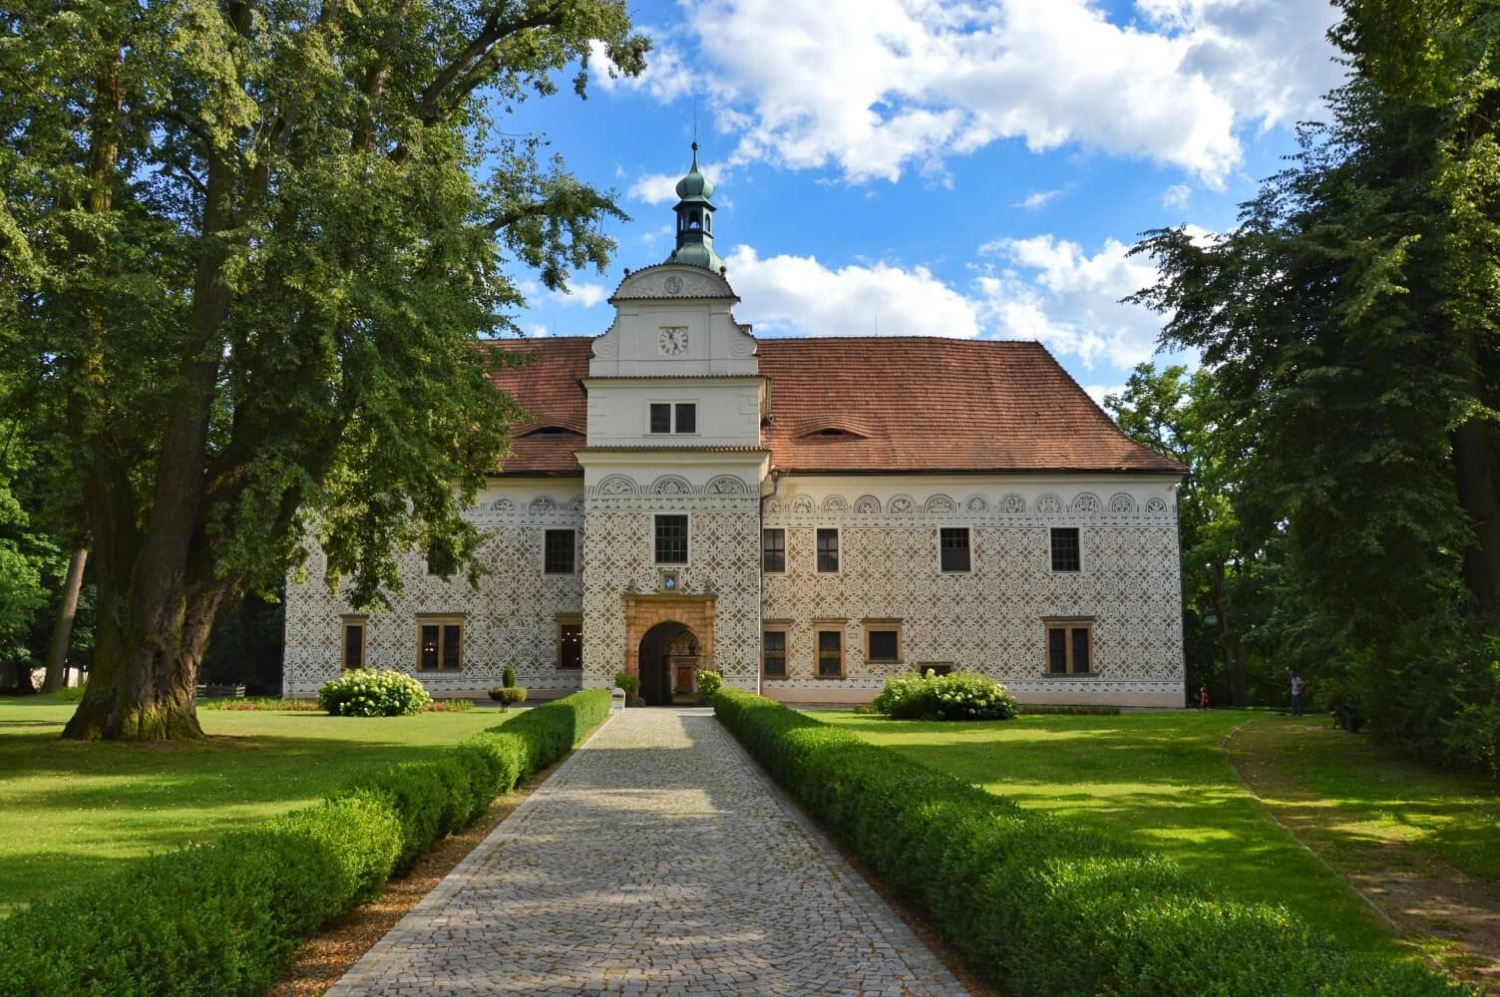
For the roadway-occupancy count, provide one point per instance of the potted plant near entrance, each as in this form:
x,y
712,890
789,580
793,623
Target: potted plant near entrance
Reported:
x,y
507,692
631,684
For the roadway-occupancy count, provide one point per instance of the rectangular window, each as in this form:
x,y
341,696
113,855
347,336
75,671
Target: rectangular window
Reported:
x,y
1066,554
661,417
830,654
883,640
687,417
773,550
570,642
561,546
954,544
1070,647
671,540
354,645
773,654
828,550
440,645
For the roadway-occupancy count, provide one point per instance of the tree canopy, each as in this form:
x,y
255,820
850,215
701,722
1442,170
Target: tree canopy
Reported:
x,y
249,254
1350,322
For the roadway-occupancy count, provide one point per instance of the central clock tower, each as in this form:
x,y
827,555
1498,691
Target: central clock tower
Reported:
x,y
675,406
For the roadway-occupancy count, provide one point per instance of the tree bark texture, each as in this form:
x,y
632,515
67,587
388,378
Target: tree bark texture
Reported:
x,y
62,631
1234,656
1474,469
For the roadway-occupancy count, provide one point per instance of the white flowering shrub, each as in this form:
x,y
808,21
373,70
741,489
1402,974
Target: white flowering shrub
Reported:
x,y
362,693
955,696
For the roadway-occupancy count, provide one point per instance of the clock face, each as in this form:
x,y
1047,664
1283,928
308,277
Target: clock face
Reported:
x,y
674,340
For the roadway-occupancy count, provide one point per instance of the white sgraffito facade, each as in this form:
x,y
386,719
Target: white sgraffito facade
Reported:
x,y
677,426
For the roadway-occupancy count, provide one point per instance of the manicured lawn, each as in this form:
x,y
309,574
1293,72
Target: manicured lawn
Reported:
x,y
72,811
1164,781
1357,795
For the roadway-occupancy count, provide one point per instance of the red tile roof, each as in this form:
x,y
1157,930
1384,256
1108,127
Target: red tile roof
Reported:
x,y
879,404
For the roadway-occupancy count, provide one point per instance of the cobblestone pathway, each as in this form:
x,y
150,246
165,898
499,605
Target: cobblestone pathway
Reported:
x,y
657,860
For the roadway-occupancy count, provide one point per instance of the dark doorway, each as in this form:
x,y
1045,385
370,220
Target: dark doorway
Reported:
x,y
668,664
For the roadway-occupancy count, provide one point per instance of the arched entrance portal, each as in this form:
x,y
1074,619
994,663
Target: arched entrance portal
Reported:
x,y
669,656
652,623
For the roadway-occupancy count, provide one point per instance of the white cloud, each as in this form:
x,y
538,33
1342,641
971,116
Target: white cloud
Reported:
x,y
667,75
879,86
1176,196
585,294
797,294
1037,200
1098,391
1050,290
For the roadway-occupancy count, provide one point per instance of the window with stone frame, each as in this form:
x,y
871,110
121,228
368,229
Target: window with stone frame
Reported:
x,y
1070,647
354,643
440,643
773,551
829,645
773,647
828,550
1067,553
560,552
672,539
687,417
953,544
883,641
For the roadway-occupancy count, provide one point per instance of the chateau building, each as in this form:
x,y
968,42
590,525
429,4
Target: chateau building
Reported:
x,y
806,516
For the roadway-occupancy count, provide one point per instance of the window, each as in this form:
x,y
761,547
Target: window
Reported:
x,y
883,640
954,546
440,645
671,540
1070,647
828,550
1066,554
354,643
661,417
773,550
830,645
560,550
773,652
570,642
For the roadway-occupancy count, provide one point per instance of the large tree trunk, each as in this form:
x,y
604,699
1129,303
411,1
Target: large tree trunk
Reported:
x,y
1474,469
1234,656
62,632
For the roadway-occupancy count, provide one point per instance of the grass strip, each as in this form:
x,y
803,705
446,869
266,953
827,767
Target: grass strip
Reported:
x,y
220,918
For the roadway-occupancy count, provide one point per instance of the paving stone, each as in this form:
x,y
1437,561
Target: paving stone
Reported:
x,y
657,860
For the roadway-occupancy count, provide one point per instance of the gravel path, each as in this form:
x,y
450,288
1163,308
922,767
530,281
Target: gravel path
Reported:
x,y
656,860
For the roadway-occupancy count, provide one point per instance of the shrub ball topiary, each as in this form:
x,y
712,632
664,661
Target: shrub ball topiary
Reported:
x,y
709,683
508,694
956,696
361,693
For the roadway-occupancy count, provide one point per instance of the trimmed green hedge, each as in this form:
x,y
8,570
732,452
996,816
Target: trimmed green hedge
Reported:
x,y
220,918
1047,907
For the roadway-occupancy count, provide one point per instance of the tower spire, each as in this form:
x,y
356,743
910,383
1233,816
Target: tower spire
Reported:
x,y
695,219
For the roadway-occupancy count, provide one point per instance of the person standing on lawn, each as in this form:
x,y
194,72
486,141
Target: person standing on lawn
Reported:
x,y
1296,695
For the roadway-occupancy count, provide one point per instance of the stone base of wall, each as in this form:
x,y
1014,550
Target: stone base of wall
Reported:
x,y
835,695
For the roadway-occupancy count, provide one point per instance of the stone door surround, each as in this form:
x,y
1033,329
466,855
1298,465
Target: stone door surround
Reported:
x,y
642,612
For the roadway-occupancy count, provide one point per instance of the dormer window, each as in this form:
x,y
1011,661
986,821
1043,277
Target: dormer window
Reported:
x,y
549,432
833,433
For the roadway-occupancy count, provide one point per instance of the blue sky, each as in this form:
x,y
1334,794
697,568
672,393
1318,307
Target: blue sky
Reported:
x,y
925,167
